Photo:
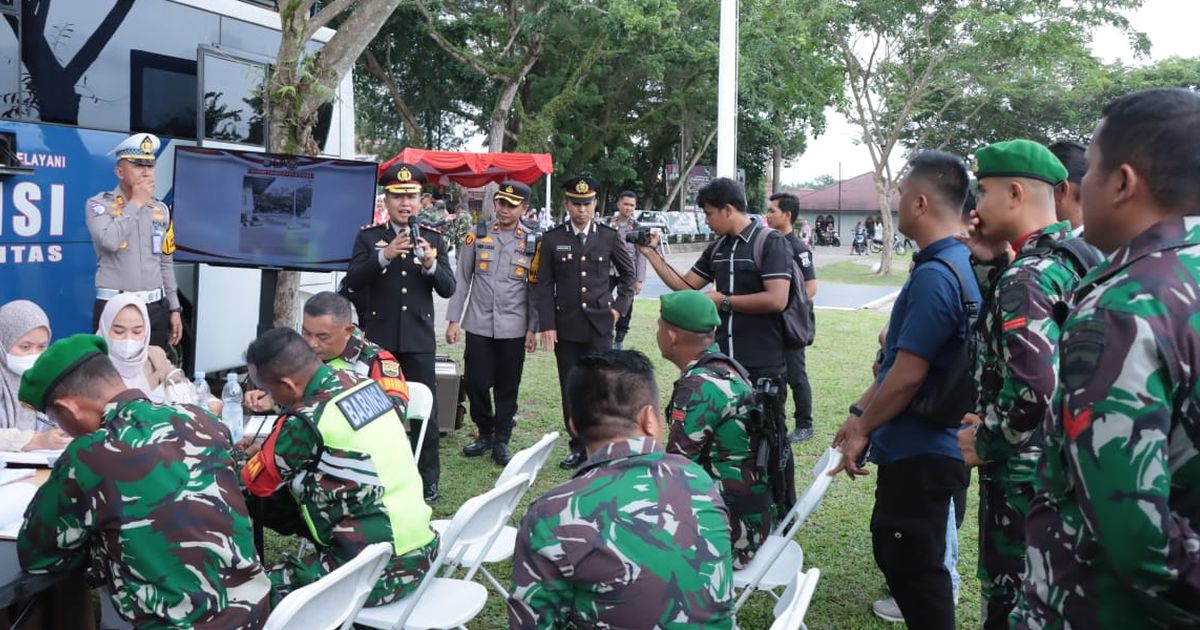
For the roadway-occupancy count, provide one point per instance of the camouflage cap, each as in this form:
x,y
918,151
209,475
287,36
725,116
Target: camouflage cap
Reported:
x,y
1019,158
59,360
690,310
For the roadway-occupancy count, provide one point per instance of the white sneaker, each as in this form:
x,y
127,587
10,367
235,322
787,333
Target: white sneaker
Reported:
x,y
888,610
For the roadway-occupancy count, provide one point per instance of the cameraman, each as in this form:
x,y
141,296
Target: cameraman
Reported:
x,y
624,223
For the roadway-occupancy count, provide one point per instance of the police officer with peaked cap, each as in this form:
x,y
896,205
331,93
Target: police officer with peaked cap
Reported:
x,y
134,238
576,308
396,278
494,303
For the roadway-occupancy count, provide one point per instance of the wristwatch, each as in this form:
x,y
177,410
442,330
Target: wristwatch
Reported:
x,y
726,304
855,411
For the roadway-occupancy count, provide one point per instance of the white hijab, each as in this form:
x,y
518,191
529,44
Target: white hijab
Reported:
x,y
133,369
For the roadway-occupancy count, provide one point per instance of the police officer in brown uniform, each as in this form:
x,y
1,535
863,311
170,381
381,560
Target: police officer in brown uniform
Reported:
x,y
575,307
134,240
395,277
493,302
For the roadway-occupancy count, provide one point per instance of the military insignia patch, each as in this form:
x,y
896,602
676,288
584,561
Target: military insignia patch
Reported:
x,y
147,145
98,209
381,243
254,468
404,175
470,239
581,187
389,368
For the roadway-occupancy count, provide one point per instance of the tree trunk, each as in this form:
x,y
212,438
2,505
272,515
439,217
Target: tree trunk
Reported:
x,y
776,167
686,170
883,186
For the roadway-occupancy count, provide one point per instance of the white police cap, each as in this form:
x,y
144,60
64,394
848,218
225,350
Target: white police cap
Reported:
x,y
140,147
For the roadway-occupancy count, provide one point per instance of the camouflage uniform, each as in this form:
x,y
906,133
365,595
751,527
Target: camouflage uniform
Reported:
x,y
152,499
1112,531
1017,372
347,515
637,539
709,412
456,229
370,360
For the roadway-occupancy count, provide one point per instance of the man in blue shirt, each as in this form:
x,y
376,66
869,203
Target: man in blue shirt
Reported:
x,y
920,465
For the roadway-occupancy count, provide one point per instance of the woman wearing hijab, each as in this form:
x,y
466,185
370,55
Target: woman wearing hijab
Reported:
x,y
125,325
24,335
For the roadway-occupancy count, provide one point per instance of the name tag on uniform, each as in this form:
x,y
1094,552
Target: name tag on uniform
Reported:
x,y
562,248
365,405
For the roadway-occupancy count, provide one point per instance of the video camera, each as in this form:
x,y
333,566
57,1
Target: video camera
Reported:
x,y
640,236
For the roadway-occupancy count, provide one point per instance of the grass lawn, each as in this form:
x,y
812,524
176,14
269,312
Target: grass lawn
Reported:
x,y
836,538
851,272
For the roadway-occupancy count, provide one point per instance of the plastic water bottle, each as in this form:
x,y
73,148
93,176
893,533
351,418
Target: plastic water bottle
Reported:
x,y
231,413
202,390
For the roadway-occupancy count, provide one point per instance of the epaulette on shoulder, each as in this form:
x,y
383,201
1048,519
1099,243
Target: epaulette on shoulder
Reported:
x,y
371,225
560,226
430,228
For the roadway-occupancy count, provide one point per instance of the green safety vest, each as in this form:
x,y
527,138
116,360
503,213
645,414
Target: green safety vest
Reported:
x,y
363,422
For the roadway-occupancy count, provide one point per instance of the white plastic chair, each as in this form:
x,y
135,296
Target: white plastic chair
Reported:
x,y
791,608
334,600
420,407
441,602
775,563
528,461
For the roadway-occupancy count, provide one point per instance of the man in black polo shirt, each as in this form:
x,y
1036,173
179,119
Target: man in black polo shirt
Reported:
x,y
781,215
750,296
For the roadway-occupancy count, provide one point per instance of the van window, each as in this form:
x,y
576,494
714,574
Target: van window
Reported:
x,y
232,99
163,94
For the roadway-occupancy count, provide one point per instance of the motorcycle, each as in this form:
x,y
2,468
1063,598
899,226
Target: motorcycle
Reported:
x,y
898,246
859,246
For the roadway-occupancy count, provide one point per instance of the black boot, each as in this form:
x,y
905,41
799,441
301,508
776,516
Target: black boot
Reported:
x,y
573,461
481,446
500,452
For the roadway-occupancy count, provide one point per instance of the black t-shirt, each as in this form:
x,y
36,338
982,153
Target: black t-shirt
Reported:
x,y
754,340
803,256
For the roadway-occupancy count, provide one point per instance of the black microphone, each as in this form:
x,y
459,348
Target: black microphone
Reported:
x,y
414,233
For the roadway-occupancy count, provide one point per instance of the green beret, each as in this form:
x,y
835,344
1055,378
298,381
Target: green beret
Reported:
x,y
59,360
690,310
1019,158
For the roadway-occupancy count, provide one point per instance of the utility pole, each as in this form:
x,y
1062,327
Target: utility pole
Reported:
x,y
727,87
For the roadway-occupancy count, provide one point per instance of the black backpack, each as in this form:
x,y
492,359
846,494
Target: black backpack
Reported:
x,y
947,395
799,320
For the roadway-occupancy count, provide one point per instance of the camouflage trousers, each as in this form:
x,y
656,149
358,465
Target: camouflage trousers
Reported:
x,y
400,577
747,533
1003,506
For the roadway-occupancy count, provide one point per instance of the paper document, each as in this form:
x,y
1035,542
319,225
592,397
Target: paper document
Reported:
x,y
9,475
37,459
14,498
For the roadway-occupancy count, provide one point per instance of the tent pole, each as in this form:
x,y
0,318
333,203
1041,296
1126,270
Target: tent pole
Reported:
x,y
547,209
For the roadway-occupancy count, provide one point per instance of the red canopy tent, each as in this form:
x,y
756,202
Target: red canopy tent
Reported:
x,y
473,170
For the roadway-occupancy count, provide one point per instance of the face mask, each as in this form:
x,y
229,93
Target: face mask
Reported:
x,y
126,348
17,364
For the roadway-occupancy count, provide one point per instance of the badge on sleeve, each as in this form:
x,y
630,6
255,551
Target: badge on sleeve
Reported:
x,y
98,209
389,368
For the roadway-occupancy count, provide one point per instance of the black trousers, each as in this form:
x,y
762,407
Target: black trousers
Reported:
x,y
419,367
908,534
622,326
160,320
797,378
566,355
493,368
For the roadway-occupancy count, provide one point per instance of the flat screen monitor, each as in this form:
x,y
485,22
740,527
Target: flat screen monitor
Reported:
x,y
250,209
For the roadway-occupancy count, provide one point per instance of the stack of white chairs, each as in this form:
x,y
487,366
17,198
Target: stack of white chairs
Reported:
x,y
779,558
443,602
528,462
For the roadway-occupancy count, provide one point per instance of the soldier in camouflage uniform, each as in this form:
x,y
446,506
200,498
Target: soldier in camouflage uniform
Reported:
x,y
1112,539
638,538
330,332
342,450
710,416
457,226
147,493
1017,341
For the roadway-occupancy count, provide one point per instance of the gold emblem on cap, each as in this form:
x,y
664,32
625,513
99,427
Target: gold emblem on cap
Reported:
x,y
582,186
404,175
508,189
147,145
